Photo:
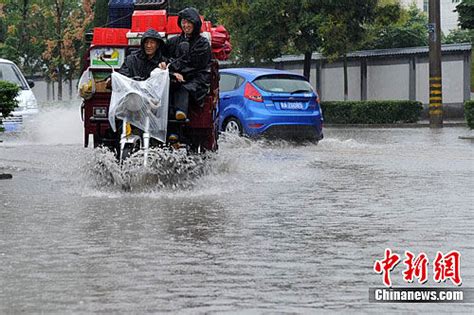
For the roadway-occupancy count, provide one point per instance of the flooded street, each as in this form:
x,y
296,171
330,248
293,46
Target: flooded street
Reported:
x,y
265,227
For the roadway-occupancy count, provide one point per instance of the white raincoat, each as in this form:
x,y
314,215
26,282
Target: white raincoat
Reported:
x,y
136,100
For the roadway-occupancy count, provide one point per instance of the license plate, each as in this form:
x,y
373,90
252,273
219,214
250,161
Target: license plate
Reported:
x,y
291,105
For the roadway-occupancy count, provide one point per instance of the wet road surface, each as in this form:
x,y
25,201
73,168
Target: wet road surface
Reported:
x,y
267,226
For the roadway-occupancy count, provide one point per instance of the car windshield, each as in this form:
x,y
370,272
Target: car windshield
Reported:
x,y
9,72
279,83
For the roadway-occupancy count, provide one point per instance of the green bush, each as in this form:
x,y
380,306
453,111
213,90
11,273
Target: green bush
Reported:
x,y
371,112
8,94
469,113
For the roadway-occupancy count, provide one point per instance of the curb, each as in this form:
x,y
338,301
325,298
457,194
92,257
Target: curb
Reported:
x,y
400,125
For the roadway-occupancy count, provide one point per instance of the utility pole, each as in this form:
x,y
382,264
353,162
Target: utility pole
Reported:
x,y
436,95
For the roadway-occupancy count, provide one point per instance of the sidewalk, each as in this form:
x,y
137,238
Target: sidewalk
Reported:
x,y
420,124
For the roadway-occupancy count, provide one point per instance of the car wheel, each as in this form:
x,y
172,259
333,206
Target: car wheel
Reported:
x,y
233,126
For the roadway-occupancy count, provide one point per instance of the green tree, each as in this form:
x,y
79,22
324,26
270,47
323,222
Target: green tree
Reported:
x,y
100,13
23,28
397,28
465,8
343,28
264,29
303,19
466,13
77,24
459,36
9,17
69,19
207,8
235,16
268,34
8,94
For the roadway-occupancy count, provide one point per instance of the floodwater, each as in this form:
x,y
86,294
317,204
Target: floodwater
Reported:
x,y
261,227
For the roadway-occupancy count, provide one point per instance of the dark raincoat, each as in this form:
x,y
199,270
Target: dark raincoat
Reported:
x,y
137,64
192,60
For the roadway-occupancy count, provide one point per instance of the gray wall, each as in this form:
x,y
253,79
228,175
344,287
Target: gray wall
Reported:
x,y
41,87
398,74
387,80
332,81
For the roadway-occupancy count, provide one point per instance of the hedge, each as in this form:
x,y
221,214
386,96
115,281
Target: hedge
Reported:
x,y
469,113
8,94
371,112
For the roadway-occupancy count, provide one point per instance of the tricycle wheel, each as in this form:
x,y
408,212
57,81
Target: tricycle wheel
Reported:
x,y
128,150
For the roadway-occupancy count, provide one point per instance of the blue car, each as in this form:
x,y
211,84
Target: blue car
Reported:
x,y
268,102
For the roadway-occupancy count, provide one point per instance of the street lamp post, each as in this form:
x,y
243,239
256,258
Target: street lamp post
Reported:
x,y
436,95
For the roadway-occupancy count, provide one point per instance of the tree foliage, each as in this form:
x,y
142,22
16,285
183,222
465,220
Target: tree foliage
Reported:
x,y
261,29
207,8
69,20
459,36
8,94
343,26
265,29
466,14
22,39
396,27
101,13
45,35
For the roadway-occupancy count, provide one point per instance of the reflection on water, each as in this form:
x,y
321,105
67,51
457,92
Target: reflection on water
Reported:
x,y
263,226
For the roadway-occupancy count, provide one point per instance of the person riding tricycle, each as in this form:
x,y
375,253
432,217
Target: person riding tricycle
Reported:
x,y
144,110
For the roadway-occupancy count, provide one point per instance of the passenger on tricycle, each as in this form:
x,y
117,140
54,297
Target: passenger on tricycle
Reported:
x,y
188,58
139,93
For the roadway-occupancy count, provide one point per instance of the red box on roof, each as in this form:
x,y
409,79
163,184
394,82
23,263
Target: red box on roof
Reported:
x,y
206,26
110,36
172,25
144,20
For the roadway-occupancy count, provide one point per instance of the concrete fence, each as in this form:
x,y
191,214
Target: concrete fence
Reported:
x,y
45,91
389,74
385,74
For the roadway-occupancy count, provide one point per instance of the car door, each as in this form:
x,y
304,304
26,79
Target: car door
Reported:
x,y
230,102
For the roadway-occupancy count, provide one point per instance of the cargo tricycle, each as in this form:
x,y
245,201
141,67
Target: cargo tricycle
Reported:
x,y
116,127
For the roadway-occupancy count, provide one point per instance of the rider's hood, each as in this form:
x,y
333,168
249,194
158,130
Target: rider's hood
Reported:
x,y
151,33
192,15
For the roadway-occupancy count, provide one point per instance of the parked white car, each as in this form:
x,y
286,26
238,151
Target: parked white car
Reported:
x,y
27,104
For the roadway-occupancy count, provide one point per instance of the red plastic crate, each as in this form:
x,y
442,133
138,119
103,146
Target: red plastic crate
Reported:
x,y
206,26
110,36
144,20
172,25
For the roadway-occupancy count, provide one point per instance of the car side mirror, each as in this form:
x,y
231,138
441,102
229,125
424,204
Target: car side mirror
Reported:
x,y
31,83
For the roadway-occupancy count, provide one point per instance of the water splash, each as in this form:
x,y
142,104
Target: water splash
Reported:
x,y
57,123
167,168
237,160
